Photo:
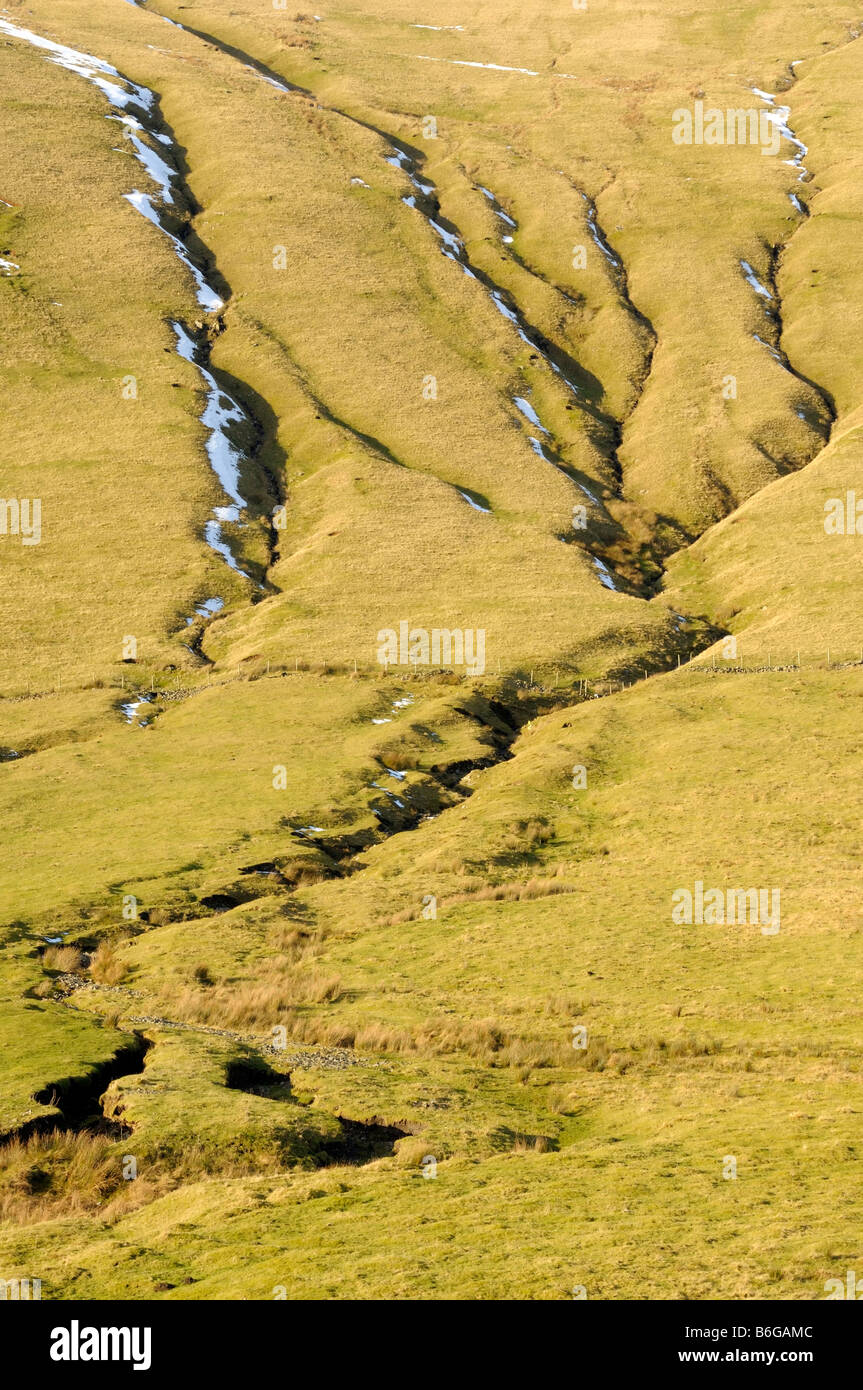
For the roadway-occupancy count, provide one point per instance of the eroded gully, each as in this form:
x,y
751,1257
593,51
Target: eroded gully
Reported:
x,y
135,107
424,198
766,288
221,411
604,429
229,425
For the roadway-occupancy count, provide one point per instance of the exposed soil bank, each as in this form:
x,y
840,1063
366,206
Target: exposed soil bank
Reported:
x,y
78,1099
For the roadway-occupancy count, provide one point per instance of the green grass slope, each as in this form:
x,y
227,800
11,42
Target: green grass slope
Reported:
x,y
341,981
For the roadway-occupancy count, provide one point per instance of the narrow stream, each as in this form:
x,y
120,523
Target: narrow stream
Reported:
x,y
226,458
605,576
130,711
598,236
780,115
524,406
508,221
126,98
424,200
259,71
472,501
492,67
76,1101
453,248
752,280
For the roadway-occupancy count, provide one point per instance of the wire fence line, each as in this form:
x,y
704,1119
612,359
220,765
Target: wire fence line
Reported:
x,y
546,679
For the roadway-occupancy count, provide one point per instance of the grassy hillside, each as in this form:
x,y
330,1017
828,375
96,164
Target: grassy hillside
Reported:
x,y
367,978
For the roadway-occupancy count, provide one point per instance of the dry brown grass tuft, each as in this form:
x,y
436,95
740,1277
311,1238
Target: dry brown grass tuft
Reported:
x,y
400,756
308,876
56,1175
600,1056
318,988
483,1039
296,944
59,1175
255,1005
62,958
565,1006
107,967
531,1144
525,836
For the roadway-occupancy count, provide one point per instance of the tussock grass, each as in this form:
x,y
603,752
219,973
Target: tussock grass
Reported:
x,y
530,1144
68,1175
108,967
63,1175
254,1004
62,958
410,1152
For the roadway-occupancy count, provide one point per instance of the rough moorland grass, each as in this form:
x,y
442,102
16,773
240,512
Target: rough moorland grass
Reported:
x,y
634,1207
774,577
609,133
193,795
559,1166
115,476
769,1024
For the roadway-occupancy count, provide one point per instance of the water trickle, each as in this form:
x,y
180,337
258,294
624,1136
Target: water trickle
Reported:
x,y
454,249
774,352
529,413
779,115
604,573
206,295
753,280
498,210
491,67
226,458
598,236
207,608
472,502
